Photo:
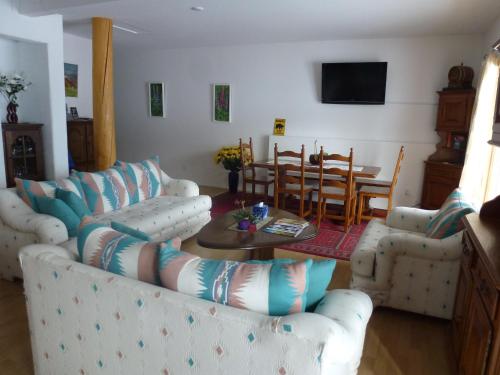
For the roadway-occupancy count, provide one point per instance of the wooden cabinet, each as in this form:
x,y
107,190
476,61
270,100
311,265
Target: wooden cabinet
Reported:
x,y
455,110
476,318
81,144
444,167
440,179
23,152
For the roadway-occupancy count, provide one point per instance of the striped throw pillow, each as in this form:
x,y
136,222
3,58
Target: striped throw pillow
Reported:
x,y
273,289
105,248
143,179
448,220
104,191
28,189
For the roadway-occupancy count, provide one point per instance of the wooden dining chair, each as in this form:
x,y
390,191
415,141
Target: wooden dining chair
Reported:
x,y
248,170
289,179
336,184
378,189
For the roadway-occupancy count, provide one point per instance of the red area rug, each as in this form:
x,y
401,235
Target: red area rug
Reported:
x,y
331,241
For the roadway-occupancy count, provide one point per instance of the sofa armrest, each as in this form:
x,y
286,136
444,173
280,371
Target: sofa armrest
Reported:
x,y
20,217
178,187
410,218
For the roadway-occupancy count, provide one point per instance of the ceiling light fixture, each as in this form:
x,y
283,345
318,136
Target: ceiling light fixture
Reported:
x,y
125,29
198,9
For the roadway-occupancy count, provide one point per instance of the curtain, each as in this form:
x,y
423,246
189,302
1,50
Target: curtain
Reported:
x,y
480,179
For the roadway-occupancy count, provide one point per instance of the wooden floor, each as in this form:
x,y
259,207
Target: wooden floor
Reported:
x,y
396,342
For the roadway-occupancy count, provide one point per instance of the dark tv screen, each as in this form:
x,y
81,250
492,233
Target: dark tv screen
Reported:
x,y
354,83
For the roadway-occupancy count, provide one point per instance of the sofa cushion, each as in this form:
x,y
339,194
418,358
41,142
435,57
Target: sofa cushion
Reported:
x,y
130,231
104,191
320,275
448,220
143,179
27,189
154,215
57,208
273,289
363,257
105,248
76,203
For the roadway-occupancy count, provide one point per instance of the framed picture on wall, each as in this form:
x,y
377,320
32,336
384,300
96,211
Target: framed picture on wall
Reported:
x,y
156,103
71,80
221,102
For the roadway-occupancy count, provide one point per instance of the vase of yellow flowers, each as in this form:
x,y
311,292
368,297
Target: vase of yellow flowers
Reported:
x,y
230,158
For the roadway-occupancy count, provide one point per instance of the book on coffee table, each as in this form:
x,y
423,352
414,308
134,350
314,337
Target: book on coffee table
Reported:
x,y
286,227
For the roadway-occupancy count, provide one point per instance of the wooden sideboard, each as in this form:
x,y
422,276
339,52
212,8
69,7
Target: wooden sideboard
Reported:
x,y
476,320
444,168
23,152
81,143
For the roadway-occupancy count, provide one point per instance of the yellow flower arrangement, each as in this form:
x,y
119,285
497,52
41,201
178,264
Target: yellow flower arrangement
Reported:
x,y
230,157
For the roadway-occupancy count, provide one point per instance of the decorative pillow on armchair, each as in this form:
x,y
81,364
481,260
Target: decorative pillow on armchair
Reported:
x,y
273,289
143,179
104,191
28,189
448,220
105,248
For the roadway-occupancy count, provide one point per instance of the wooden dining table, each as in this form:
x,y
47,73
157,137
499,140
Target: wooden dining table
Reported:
x,y
312,170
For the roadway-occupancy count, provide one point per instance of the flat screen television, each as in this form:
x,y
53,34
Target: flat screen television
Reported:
x,y
354,83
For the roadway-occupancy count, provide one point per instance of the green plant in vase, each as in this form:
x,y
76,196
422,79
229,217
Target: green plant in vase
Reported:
x,y
243,217
10,87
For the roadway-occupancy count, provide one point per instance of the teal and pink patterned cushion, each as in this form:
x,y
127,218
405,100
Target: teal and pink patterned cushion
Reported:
x,y
105,248
448,220
273,289
74,202
320,275
57,208
104,191
28,189
143,179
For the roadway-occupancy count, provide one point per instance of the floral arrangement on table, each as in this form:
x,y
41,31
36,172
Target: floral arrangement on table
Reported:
x,y
244,217
230,158
10,86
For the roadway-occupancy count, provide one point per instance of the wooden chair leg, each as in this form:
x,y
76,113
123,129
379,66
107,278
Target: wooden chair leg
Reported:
x,y
389,204
301,205
361,205
276,198
253,189
318,213
347,210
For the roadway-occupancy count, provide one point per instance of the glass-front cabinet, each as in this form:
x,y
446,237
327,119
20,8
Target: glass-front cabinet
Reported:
x,y
23,152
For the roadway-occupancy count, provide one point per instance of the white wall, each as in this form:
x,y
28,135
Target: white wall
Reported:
x,y
40,55
279,80
492,34
78,50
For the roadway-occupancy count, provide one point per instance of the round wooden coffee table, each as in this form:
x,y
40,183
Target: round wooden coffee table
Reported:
x,y
216,235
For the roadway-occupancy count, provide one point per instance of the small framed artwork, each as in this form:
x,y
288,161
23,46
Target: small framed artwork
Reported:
x,y
71,80
74,113
279,126
156,103
221,102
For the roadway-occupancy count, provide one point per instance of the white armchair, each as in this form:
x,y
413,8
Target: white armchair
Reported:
x,y
399,267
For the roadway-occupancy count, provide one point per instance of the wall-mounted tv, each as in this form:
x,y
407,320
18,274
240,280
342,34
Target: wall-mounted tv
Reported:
x,y
354,83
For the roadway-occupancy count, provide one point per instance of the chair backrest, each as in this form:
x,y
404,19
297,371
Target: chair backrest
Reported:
x,y
337,177
281,177
398,168
246,152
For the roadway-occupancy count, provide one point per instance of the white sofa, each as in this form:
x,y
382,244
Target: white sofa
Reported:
x,y
181,212
87,321
398,266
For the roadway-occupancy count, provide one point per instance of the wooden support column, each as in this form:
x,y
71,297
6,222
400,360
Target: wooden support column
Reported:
x,y
104,108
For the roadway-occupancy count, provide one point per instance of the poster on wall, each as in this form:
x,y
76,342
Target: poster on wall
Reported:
x,y
156,99
279,126
222,102
71,80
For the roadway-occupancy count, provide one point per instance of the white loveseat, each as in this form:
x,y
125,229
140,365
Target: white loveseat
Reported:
x,y
398,266
181,212
87,321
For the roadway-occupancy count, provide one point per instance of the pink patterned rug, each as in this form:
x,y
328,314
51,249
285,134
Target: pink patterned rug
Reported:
x,y
331,241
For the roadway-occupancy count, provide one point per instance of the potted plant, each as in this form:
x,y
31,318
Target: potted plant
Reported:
x,y
230,158
244,217
10,87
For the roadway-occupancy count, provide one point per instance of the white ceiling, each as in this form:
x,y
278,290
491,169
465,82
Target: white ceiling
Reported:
x,y
171,23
